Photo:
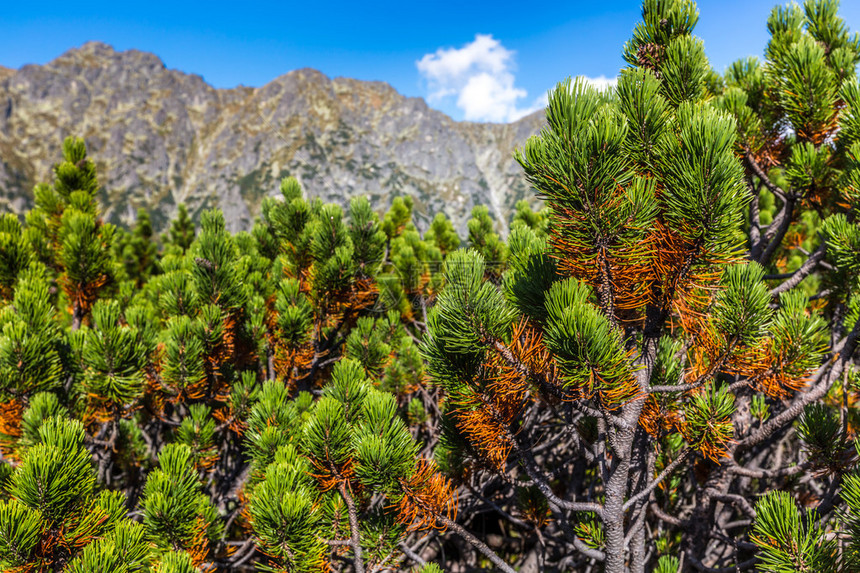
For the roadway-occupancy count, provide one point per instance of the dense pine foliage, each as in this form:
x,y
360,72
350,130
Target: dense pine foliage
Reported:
x,y
654,371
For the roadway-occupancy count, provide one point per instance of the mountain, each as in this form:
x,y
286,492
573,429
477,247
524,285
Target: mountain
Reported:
x,y
161,137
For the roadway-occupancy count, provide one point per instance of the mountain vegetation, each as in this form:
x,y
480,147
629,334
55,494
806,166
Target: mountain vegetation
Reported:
x,y
653,371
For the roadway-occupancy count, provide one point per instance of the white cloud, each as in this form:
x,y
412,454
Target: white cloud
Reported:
x,y
480,75
486,96
602,83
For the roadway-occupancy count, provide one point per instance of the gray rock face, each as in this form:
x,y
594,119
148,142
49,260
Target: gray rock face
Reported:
x,y
162,137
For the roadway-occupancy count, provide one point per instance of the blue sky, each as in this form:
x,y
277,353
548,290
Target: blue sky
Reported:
x,y
488,61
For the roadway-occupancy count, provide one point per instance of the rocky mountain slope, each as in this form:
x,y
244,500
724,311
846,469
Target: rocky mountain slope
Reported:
x,y
161,137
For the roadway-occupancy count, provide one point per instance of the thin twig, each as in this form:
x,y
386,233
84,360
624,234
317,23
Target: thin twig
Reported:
x,y
475,542
658,480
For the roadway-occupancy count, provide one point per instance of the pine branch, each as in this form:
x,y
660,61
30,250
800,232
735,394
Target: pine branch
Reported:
x,y
77,316
607,290
555,503
244,554
704,377
635,527
546,385
107,448
775,233
844,350
820,295
586,410
538,378
536,476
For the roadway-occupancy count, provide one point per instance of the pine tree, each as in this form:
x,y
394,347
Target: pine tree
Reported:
x,y
525,216
84,257
177,515
484,240
414,278
182,229
32,353
164,370
66,233
646,323
339,474
654,372
15,254
398,216
138,251
442,234
55,519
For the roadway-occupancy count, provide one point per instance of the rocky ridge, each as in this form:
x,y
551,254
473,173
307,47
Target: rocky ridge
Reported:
x,y
161,137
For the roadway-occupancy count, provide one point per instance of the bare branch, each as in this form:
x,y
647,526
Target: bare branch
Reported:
x,y
663,516
777,229
806,269
542,484
768,474
595,554
355,541
737,500
755,222
759,172
658,480
407,551
475,542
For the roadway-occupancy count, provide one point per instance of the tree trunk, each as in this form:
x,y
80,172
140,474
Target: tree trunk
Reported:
x,y
77,316
617,485
613,513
